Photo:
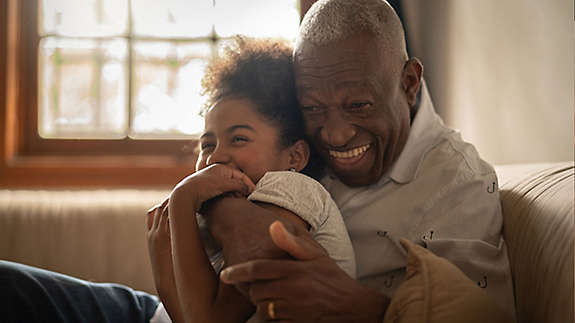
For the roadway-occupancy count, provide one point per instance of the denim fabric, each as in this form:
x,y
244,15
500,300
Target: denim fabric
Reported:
x,y
29,294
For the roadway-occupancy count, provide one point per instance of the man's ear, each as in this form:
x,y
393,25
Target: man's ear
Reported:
x,y
298,155
411,79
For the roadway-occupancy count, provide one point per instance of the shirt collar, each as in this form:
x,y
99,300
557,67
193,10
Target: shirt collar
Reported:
x,y
426,129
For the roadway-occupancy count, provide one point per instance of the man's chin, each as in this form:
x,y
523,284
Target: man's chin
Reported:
x,y
357,179
361,172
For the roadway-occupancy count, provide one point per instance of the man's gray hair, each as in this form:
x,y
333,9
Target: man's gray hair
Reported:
x,y
334,20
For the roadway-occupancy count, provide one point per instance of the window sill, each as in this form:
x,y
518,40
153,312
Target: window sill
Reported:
x,y
94,172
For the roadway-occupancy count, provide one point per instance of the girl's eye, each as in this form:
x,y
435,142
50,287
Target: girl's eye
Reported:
x,y
239,139
207,146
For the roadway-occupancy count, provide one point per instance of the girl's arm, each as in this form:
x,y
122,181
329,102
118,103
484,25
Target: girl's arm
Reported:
x,y
201,295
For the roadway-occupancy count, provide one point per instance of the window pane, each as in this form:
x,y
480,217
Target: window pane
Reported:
x,y
84,77
172,18
82,88
167,88
84,18
257,18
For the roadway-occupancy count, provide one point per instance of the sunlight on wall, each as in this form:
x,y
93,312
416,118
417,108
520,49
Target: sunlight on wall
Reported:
x,y
502,73
512,78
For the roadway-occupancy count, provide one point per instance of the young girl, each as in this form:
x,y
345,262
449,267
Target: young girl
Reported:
x,y
254,133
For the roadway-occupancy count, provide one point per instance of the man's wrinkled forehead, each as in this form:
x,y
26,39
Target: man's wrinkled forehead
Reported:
x,y
352,55
318,58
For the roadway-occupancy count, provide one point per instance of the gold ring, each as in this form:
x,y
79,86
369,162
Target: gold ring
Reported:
x,y
271,310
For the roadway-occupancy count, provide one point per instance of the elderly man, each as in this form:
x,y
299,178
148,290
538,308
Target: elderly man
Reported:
x,y
395,171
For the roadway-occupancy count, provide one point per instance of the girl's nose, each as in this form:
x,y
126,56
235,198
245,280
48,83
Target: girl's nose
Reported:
x,y
219,156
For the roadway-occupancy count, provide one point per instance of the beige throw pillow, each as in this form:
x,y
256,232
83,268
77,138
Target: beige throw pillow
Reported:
x,y
435,290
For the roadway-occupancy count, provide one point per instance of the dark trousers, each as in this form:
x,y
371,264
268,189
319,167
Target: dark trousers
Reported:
x,y
29,294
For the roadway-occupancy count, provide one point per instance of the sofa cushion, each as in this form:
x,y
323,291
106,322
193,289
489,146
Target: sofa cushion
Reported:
x,y
435,290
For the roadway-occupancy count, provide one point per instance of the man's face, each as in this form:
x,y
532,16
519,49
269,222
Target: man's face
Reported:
x,y
354,105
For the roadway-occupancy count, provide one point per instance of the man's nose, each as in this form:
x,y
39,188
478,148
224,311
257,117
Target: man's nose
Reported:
x,y
337,131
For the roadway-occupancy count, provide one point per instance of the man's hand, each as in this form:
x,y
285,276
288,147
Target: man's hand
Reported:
x,y
310,289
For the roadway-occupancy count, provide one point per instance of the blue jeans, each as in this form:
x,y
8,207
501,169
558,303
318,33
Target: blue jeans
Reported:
x,y
29,294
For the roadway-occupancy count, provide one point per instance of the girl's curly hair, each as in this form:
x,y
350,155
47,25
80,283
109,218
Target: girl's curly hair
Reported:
x,y
260,70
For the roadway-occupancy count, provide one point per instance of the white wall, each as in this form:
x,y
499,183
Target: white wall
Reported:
x,y
502,72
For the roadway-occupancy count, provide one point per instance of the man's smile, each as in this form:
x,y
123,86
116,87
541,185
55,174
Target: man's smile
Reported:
x,y
350,156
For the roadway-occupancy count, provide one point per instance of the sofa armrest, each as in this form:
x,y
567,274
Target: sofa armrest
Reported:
x,y
537,203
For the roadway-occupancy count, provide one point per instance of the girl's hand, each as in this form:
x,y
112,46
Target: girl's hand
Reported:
x,y
159,246
160,251
212,181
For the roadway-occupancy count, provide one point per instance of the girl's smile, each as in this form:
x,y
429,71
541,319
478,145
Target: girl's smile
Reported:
x,y
236,135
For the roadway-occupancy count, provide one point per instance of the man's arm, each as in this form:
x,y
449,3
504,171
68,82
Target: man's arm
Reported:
x,y
240,228
309,289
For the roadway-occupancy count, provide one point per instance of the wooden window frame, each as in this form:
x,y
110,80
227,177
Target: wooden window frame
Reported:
x,y
29,161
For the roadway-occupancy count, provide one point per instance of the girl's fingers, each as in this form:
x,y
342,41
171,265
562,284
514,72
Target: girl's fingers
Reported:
x,y
157,217
159,205
150,217
236,174
165,202
235,185
232,173
214,180
164,218
152,212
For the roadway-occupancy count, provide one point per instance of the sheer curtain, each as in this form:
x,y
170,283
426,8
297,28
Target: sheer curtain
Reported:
x,y
502,72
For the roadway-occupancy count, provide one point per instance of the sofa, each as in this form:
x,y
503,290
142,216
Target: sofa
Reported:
x,y
100,235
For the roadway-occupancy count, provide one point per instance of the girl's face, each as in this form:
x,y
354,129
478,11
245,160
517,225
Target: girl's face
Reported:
x,y
236,135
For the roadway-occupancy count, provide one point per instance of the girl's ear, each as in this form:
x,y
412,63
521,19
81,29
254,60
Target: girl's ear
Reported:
x,y
298,155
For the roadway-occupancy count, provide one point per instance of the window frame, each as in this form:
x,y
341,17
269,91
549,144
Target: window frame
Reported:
x,y
27,160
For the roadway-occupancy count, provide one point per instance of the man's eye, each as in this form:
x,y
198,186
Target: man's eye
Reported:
x,y
311,109
359,105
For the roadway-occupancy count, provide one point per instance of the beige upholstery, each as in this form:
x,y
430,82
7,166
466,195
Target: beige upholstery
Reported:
x,y
100,235
538,214
95,235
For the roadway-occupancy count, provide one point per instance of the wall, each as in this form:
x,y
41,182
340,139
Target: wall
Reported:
x,y
502,72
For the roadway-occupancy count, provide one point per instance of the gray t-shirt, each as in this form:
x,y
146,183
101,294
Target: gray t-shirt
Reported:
x,y
306,198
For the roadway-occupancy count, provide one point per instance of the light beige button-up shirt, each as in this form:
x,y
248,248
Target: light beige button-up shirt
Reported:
x,y
439,194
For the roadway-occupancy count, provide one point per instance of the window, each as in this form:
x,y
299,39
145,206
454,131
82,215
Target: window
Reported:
x,y
106,92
